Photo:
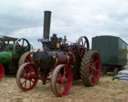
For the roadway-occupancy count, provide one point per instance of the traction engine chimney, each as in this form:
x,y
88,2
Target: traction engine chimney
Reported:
x,y
47,21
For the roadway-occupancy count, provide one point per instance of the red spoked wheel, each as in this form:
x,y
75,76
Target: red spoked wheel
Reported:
x,y
61,80
27,76
2,71
91,68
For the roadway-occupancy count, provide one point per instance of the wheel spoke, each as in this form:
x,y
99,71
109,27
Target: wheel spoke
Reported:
x,y
27,77
33,80
24,83
61,80
61,84
83,41
30,83
84,45
28,59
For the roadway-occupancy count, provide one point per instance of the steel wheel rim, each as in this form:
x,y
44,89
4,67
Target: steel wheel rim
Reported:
x,y
28,58
25,58
28,77
64,81
27,47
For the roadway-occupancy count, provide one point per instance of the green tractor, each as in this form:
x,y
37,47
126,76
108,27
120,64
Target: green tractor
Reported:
x,y
13,51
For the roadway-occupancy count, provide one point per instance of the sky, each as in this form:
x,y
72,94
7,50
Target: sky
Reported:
x,y
73,18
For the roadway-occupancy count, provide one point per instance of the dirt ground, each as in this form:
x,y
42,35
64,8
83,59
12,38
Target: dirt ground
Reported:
x,y
106,91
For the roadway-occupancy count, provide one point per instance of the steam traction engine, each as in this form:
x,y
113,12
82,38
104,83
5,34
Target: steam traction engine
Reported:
x,y
60,62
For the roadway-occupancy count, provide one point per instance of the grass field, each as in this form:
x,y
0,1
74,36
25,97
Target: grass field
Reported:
x,y
106,91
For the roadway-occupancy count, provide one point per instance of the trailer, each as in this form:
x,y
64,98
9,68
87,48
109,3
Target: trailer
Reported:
x,y
113,52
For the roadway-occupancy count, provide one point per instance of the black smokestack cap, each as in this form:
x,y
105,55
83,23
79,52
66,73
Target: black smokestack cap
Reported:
x,y
47,21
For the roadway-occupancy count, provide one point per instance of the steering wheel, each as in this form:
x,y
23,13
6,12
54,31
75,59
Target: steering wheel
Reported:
x,y
84,45
21,44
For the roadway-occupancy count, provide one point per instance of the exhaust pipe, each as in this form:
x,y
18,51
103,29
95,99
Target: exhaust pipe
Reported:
x,y
47,21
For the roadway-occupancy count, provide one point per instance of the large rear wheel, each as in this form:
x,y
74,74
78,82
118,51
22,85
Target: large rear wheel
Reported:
x,y
90,68
61,80
27,76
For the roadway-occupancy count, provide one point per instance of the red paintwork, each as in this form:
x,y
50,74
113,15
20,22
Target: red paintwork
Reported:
x,y
82,51
68,60
2,72
30,77
65,81
94,70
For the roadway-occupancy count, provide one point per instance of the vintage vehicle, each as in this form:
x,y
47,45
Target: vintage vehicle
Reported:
x,y
11,50
61,63
113,52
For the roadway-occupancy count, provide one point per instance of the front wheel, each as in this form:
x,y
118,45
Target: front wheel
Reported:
x,y
26,57
90,68
61,80
27,76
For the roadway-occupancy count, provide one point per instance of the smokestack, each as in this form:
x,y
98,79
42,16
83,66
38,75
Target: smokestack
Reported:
x,y
47,21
